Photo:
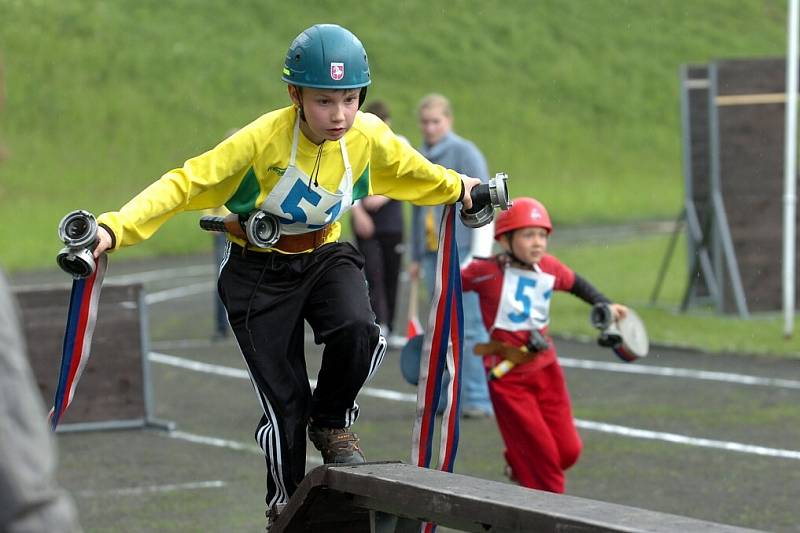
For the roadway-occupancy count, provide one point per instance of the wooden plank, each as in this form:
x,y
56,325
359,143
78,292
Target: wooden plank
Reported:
x,y
462,502
750,99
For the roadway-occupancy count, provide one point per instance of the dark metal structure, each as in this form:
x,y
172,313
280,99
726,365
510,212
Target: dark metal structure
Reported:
x,y
732,116
697,181
115,389
749,99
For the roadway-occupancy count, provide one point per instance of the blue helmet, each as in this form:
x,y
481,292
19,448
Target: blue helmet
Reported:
x,y
326,56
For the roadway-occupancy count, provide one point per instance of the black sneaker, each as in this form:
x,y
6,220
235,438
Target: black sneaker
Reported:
x,y
338,445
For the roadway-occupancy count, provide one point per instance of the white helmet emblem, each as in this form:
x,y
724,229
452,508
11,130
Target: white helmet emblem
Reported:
x,y
337,71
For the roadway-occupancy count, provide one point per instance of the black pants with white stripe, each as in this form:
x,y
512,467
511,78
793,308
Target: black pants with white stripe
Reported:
x,y
268,296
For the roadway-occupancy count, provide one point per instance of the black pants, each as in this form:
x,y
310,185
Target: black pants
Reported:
x,y
268,296
383,257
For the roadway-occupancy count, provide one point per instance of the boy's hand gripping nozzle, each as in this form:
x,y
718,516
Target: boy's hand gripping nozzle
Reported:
x,y
78,231
485,198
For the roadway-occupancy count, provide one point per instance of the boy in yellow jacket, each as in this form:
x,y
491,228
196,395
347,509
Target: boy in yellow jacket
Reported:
x,y
306,164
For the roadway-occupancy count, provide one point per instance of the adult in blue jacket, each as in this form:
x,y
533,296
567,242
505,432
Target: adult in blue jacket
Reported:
x,y
443,146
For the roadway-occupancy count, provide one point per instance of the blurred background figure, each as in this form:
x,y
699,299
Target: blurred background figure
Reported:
x,y
378,227
440,144
30,499
221,327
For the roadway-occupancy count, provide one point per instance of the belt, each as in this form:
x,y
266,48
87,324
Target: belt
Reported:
x,y
286,243
302,241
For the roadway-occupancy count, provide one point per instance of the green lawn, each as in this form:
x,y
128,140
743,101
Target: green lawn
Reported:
x,y
627,272
576,99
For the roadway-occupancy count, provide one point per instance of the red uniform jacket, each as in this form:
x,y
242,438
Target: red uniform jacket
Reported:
x,y
486,276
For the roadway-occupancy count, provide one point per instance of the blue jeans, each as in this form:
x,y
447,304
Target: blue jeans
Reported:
x,y
474,387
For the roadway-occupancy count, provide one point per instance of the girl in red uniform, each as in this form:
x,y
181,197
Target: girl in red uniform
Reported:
x,y
531,401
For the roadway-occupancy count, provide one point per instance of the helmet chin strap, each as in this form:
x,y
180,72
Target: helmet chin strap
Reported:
x,y
300,98
362,96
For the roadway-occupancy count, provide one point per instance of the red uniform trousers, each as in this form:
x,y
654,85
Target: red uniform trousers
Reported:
x,y
534,413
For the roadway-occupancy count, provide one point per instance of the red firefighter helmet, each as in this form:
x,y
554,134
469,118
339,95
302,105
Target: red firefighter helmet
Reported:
x,y
523,213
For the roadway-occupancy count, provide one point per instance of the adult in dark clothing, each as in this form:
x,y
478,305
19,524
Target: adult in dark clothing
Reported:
x,y
378,226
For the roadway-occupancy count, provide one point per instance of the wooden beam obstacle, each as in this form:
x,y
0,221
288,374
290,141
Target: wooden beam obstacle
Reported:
x,y
395,497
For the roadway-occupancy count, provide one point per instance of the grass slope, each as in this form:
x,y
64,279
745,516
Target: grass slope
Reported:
x,y
577,100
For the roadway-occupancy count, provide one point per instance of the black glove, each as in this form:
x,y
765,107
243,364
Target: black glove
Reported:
x,y
603,319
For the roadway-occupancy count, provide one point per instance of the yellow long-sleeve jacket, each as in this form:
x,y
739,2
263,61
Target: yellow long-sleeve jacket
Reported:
x,y
241,171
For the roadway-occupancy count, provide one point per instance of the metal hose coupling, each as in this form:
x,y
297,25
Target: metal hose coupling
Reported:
x,y
261,229
78,231
486,197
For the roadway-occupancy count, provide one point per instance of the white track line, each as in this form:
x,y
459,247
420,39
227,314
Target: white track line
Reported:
x,y
691,441
230,372
567,362
198,366
150,489
226,443
584,424
179,292
162,274
181,344
725,377
214,441
740,379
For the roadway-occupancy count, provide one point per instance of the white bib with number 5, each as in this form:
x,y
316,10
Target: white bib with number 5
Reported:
x,y
525,300
303,206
